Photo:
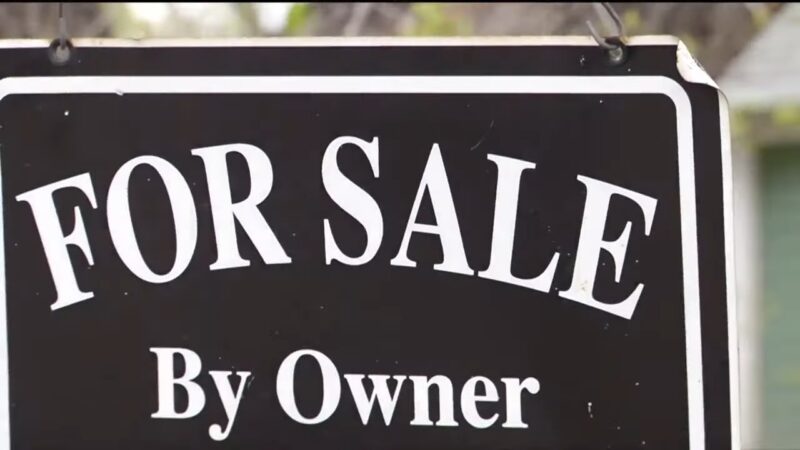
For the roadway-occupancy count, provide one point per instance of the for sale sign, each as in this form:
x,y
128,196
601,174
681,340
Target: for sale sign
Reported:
x,y
364,246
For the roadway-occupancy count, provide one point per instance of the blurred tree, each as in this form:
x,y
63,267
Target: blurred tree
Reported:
x,y
715,32
297,22
435,19
247,19
40,20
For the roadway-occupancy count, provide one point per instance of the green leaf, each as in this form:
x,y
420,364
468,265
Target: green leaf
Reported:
x,y
298,18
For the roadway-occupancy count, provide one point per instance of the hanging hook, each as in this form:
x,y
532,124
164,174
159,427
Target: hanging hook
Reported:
x,y
61,49
62,26
613,45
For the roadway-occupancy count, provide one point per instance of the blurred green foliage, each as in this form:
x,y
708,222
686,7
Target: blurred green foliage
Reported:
x,y
435,19
740,124
786,116
632,20
761,16
297,19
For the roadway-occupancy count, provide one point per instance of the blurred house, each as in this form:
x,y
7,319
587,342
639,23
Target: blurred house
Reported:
x,y
762,85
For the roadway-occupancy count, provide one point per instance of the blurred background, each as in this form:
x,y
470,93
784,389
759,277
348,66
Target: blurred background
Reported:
x,y
751,49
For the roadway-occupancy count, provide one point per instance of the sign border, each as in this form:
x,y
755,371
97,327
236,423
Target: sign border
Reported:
x,y
730,270
444,84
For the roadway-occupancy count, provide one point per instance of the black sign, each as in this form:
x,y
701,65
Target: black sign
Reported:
x,y
365,247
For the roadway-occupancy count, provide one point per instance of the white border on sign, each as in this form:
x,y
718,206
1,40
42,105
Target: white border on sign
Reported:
x,y
730,269
117,85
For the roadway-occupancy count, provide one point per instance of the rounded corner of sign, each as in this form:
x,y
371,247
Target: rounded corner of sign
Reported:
x,y
6,89
676,93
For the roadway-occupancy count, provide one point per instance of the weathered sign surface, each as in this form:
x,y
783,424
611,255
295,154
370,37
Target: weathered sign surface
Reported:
x,y
364,246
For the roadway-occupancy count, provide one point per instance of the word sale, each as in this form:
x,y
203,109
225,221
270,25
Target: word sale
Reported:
x,y
349,196
475,390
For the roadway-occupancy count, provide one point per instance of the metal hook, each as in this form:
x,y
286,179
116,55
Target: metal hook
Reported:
x,y
613,45
62,26
61,49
